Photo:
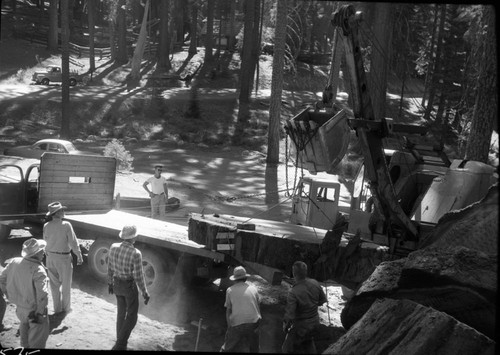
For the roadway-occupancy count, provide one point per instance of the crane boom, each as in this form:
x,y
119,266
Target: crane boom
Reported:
x,y
370,130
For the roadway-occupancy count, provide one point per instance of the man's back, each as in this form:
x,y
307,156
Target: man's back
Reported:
x,y
303,300
244,299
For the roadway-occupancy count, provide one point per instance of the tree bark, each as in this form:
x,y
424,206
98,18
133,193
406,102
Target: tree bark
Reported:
x,y
194,28
273,137
164,46
91,19
65,115
209,39
121,55
135,73
53,26
246,55
379,60
486,105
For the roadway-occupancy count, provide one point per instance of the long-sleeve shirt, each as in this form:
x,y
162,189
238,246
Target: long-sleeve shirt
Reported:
x,y
25,283
125,262
303,301
60,237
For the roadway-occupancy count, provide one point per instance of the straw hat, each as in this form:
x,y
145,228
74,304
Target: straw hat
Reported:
x,y
54,207
32,246
239,273
128,232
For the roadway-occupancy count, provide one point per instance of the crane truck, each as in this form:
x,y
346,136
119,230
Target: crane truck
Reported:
x,y
411,188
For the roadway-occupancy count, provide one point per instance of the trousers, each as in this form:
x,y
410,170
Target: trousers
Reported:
x,y
32,335
60,272
127,300
158,205
243,337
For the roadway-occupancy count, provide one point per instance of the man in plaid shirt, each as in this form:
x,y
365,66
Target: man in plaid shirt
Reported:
x,y
125,274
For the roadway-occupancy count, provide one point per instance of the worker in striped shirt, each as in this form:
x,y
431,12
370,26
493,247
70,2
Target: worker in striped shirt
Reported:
x,y
125,275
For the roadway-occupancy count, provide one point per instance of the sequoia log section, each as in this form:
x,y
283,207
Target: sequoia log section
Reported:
x,y
330,256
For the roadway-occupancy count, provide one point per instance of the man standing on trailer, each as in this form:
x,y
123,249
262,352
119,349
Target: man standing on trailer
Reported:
x,y
158,193
61,240
125,274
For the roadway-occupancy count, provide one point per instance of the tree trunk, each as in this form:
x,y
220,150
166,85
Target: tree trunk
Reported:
x,y
194,29
246,55
164,46
486,105
232,35
121,55
53,26
436,72
428,76
91,19
273,136
382,27
135,73
209,39
65,116
254,64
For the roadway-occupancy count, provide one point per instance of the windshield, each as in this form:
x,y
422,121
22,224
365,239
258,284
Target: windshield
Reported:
x,y
70,147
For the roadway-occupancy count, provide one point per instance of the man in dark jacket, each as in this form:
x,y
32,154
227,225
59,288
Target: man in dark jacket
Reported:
x,y
301,312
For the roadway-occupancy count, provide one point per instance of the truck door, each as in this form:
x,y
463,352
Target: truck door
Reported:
x,y
12,190
324,205
300,203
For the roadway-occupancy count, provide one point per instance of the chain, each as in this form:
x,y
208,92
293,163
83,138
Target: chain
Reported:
x,y
239,197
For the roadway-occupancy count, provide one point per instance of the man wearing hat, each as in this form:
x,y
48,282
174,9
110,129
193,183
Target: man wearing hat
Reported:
x,y
25,283
125,274
158,193
242,314
61,240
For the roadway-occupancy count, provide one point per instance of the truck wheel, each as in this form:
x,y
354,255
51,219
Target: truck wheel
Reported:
x,y
72,82
158,271
45,81
98,258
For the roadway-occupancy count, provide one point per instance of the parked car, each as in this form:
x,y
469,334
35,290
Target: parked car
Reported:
x,y
54,75
36,150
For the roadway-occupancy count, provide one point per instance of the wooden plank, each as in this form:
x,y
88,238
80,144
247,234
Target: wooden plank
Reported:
x,y
151,231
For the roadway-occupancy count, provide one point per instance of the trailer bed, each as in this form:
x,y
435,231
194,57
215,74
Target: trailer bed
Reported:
x,y
151,231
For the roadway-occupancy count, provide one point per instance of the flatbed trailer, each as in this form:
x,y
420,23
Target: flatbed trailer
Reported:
x,y
169,256
85,184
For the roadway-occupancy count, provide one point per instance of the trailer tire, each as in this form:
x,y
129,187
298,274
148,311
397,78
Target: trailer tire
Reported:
x,y
72,82
159,272
98,258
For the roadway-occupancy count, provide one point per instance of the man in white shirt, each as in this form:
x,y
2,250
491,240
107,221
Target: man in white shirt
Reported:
x,y
61,241
242,314
158,193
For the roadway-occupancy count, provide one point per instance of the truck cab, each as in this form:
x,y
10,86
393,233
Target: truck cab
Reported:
x,y
316,202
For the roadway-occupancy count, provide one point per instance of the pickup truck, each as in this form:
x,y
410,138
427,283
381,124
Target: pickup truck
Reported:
x,y
54,74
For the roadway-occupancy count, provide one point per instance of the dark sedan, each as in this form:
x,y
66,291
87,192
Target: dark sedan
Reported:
x,y
36,150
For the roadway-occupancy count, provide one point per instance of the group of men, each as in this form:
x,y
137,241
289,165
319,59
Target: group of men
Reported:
x,y
301,313
25,280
